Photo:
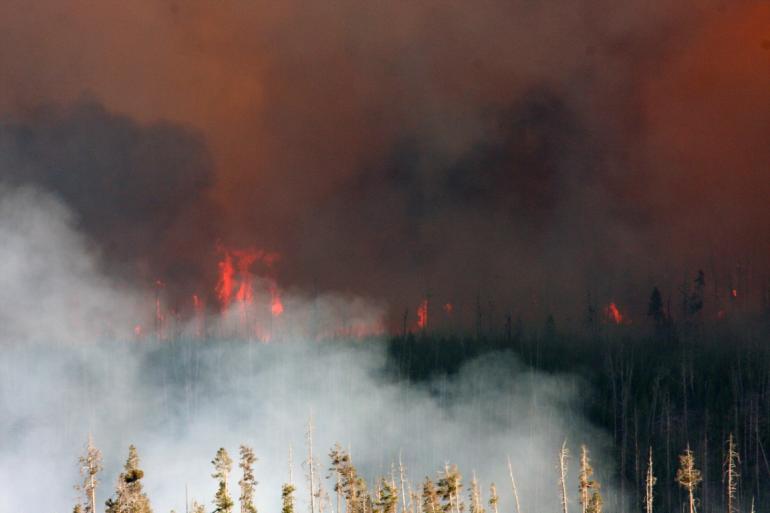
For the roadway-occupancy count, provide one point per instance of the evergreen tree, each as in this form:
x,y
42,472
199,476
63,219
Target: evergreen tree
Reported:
x,y
287,498
688,476
590,497
585,484
197,508
90,466
430,499
732,459
655,308
449,486
493,498
222,466
247,482
350,484
649,484
475,496
129,497
387,497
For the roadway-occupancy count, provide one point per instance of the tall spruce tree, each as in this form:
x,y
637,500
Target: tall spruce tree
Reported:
x,y
222,466
430,498
90,465
387,497
349,483
688,476
129,497
449,486
247,482
474,493
493,498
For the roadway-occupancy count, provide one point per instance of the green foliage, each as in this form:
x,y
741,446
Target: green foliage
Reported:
x,y
222,466
449,486
430,498
350,484
387,497
287,498
129,497
247,482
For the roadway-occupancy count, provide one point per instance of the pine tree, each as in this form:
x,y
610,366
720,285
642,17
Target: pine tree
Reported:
x,y
649,483
287,498
349,483
596,502
655,308
688,476
222,466
731,474
589,495
287,490
475,496
430,498
197,508
90,466
493,498
585,484
387,497
247,482
129,497
449,486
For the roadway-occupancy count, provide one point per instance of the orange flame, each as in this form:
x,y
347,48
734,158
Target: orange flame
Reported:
x,y
239,286
613,314
422,315
224,287
276,306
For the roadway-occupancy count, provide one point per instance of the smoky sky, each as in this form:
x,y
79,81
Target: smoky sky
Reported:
x,y
524,152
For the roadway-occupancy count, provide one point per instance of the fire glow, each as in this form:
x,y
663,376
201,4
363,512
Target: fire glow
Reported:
x,y
236,278
613,314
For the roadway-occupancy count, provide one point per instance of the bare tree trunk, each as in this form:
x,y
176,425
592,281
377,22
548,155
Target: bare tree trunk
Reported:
x,y
311,463
563,455
649,484
513,486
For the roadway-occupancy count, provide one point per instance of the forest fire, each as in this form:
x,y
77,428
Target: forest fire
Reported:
x,y
244,261
613,314
422,315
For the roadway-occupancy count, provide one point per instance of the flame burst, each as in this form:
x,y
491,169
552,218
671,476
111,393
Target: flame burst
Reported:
x,y
236,279
422,315
613,314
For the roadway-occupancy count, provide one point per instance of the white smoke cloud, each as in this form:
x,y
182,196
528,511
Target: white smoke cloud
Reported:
x,y
70,366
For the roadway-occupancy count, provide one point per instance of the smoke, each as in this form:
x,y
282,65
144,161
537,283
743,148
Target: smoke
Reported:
x,y
527,152
71,367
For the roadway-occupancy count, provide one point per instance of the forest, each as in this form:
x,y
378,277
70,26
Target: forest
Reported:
x,y
684,400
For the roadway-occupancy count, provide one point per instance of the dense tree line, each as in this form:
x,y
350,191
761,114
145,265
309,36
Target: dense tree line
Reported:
x,y
670,381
